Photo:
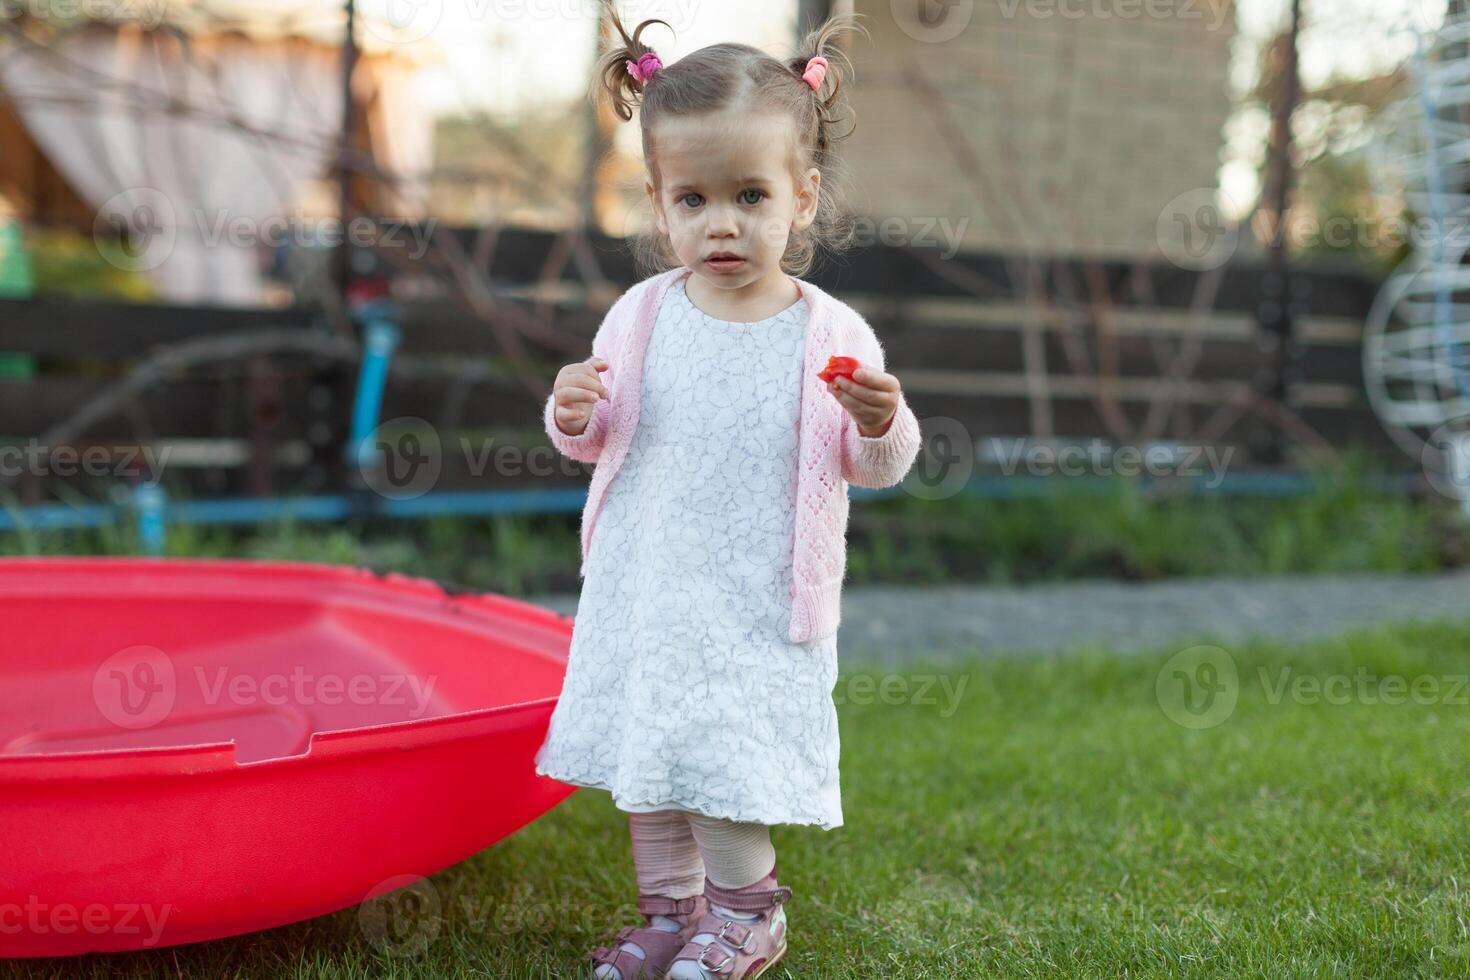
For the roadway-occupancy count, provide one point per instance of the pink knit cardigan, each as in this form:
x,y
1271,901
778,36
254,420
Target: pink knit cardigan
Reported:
x,y
831,451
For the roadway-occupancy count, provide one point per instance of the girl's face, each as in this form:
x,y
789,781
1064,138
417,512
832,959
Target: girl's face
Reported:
x,y
726,189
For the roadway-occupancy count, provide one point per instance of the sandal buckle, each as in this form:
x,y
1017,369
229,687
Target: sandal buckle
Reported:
x,y
744,944
722,966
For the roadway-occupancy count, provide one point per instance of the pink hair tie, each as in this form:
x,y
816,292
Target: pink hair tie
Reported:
x,y
816,72
644,68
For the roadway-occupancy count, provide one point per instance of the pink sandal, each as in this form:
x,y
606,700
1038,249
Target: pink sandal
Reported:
x,y
658,946
731,950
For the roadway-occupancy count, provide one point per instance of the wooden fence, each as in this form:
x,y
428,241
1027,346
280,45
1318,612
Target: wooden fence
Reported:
x,y
1005,346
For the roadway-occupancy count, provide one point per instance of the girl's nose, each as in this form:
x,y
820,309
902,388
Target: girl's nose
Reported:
x,y
722,222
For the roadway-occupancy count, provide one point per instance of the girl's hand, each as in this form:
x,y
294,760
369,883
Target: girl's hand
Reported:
x,y
576,390
871,398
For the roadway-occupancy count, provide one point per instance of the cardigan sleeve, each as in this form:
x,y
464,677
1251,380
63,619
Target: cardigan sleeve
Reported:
x,y
587,447
875,462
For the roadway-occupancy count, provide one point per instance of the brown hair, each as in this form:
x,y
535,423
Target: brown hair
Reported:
x,y
725,76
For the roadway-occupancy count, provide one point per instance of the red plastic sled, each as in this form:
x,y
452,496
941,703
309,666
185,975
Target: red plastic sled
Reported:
x,y
192,749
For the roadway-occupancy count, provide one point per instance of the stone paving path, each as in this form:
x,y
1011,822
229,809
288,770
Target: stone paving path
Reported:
x,y
893,624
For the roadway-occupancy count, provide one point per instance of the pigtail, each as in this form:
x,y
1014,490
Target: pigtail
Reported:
x,y
831,105
623,90
833,228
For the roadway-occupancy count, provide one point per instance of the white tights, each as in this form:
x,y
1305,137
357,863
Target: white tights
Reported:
x,y
674,849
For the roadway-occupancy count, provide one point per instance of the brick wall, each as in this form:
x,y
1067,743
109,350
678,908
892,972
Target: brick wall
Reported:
x,y
1084,118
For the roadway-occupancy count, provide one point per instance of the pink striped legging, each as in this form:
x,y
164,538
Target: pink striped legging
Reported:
x,y
674,849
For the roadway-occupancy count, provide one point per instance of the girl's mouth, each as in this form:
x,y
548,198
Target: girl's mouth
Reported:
x,y
724,264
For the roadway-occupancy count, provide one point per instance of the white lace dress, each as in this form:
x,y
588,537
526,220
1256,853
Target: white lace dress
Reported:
x,y
682,689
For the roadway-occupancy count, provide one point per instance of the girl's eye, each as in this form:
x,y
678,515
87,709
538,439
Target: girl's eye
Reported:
x,y
760,195
684,200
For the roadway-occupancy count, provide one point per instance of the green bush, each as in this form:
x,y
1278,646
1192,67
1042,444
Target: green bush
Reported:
x,y
69,263
1069,530
1112,528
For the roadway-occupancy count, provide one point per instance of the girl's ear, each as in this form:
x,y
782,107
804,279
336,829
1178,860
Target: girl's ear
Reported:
x,y
806,198
658,212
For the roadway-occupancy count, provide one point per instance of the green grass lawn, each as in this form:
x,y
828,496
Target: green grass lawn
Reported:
x,y
1022,816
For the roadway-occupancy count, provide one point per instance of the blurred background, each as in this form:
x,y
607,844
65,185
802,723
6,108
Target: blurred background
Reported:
x,y
1173,284
1177,289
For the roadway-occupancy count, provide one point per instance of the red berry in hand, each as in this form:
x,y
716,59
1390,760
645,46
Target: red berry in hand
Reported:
x,y
838,367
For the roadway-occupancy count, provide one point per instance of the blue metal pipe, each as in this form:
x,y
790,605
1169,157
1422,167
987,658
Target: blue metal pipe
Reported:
x,y
380,337
336,507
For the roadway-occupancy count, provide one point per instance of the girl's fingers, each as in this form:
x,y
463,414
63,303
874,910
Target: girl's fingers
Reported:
x,y
575,394
589,381
878,398
582,375
881,380
853,406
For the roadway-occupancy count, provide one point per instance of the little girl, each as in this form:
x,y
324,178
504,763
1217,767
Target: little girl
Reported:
x,y
699,683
